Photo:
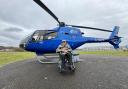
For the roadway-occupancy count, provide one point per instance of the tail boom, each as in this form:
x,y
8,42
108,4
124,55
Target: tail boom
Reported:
x,y
114,39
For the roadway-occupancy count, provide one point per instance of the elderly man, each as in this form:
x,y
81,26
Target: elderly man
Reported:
x,y
64,51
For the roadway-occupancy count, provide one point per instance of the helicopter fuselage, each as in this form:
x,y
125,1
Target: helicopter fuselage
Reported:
x,y
47,41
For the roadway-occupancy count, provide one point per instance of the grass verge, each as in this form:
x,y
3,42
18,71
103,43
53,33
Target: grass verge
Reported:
x,y
108,53
9,57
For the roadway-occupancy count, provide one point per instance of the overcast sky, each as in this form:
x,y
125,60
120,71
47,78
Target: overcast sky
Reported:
x,y
21,17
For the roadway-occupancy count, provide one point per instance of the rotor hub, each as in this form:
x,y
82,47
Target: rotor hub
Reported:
x,y
61,24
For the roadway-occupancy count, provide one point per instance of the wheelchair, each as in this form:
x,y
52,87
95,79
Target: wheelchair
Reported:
x,y
67,66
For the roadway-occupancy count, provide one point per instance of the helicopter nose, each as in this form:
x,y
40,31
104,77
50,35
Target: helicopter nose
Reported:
x,y
22,45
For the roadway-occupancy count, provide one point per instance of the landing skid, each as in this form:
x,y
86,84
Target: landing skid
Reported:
x,y
54,58
48,59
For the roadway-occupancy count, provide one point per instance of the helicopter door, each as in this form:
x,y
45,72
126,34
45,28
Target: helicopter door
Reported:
x,y
38,35
43,35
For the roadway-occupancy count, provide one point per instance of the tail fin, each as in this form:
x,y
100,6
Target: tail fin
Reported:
x,y
114,39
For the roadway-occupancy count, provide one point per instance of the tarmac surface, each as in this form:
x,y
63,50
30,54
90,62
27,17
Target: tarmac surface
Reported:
x,y
94,72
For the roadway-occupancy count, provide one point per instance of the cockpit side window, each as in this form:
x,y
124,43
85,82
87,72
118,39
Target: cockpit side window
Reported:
x,y
35,37
50,35
43,35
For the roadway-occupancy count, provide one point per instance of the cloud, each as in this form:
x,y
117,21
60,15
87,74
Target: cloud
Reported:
x,y
11,35
5,41
13,29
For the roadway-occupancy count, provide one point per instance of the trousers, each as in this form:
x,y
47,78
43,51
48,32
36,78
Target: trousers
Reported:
x,y
66,57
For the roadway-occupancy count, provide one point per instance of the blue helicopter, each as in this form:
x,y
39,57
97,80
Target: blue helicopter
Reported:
x,y
47,41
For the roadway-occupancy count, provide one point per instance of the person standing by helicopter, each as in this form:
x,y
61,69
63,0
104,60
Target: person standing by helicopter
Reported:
x,y
65,53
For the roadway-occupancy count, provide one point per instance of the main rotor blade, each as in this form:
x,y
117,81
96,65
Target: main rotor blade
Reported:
x,y
46,9
90,28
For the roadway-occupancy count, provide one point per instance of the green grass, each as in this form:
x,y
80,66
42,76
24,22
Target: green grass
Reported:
x,y
108,53
9,57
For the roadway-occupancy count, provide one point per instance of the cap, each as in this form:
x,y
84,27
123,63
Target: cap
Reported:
x,y
64,41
